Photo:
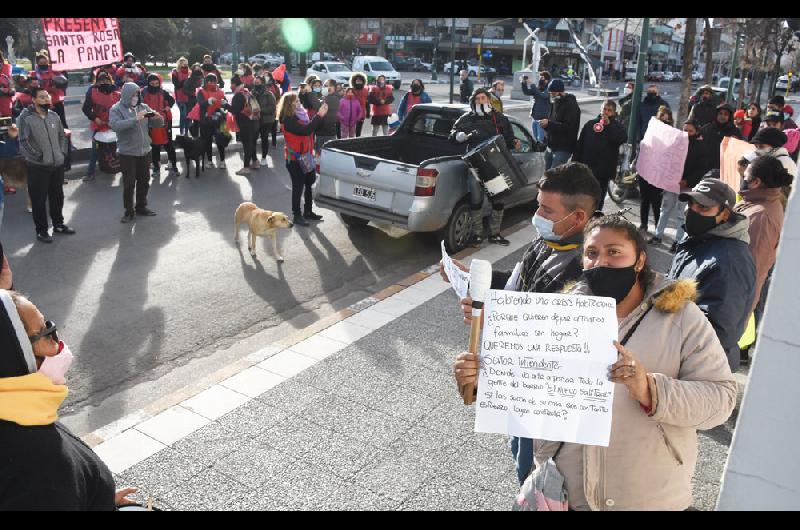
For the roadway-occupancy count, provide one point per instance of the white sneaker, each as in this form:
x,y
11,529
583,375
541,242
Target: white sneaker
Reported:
x,y
244,171
210,163
30,210
173,172
264,161
254,164
222,165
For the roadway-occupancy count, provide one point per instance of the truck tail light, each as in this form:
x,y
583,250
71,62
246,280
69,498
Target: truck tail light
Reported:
x,y
426,182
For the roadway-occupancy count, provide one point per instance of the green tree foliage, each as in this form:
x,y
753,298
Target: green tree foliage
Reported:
x,y
148,36
334,35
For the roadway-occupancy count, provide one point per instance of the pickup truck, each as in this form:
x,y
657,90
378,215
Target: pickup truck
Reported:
x,y
415,179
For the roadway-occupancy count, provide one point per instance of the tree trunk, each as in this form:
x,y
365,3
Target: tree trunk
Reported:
x,y
709,54
381,41
688,67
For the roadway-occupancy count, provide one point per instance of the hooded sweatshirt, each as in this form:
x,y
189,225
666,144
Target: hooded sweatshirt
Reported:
x,y
42,140
714,132
133,137
563,124
721,263
42,465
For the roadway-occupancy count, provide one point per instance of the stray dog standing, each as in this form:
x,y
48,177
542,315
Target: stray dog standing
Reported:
x,y
261,223
193,149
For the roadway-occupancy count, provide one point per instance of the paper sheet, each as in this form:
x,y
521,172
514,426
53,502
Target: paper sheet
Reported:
x,y
544,367
662,154
458,278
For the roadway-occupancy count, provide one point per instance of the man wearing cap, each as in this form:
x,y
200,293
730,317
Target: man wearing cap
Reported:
x,y
713,133
703,112
716,254
562,125
771,140
480,124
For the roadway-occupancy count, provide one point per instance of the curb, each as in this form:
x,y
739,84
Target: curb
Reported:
x,y
144,432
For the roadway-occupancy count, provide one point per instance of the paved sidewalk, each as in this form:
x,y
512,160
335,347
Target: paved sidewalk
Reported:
x,y
360,414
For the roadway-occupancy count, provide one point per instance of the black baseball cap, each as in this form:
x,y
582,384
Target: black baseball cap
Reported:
x,y
710,192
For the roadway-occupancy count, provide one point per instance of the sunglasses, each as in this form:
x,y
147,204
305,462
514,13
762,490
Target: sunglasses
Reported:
x,y
50,329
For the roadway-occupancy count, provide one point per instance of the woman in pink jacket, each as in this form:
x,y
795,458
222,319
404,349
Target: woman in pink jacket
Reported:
x,y
350,113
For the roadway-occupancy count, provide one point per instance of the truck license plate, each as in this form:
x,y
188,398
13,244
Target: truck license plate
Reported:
x,y
365,193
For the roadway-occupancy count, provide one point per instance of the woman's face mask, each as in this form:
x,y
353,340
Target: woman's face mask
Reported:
x,y
56,367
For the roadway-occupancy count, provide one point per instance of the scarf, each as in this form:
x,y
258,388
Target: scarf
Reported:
x,y
302,115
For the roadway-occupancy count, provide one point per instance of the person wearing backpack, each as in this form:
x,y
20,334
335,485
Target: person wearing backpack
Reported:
x,y
268,103
247,111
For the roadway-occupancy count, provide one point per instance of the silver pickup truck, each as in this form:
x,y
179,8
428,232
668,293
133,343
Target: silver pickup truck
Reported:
x,y
415,179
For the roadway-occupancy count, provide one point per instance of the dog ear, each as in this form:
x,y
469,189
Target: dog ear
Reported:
x,y
272,218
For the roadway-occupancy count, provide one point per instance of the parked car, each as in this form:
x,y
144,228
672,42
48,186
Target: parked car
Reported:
x,y
472,69
415,179
225,58
337,71
630,73
411,64
722,88
269,60
669,77
697,76
783,83
655,76
373,66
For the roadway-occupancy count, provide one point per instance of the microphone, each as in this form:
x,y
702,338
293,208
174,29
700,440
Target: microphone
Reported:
x,y
480,280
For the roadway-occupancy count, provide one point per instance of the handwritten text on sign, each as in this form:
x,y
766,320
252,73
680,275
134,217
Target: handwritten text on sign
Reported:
x,y
76,43
544,367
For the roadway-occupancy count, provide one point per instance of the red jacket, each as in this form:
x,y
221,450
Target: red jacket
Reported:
x,y
376,94
178,78
46,81
6,95
101,105
218,95
361,95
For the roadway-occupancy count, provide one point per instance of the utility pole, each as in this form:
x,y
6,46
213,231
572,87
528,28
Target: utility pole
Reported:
x,y
434,66
622,52
234,48
644,48
452,55
732,77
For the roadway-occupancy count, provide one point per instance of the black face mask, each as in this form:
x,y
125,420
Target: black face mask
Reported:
x,y
612,282
697,224
45,107
44,66
651,96
358,85
416,90
153,89
106,89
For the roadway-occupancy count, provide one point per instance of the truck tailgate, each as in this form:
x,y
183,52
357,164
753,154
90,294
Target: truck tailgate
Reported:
x,y
367,180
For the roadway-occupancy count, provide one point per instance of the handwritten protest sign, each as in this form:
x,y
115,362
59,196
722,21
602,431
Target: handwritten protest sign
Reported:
x,y
544,367
458,278
731,150
662,154
75,43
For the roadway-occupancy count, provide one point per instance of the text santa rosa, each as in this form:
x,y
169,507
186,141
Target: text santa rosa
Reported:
x,y
75,43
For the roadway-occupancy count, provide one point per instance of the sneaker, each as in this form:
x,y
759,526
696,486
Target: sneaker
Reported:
x,y
222,165
497,239
44,237
156,172
173,172
128,217
311,216
244,171
474,241
298,220
263,161
146,212
30,210
88,178
655,240
210,164
63,229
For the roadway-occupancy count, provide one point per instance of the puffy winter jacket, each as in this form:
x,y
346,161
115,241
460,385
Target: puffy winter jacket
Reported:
x,y
704,113
712,135
721,263
648,108
350,112
267,102
563,124
600,150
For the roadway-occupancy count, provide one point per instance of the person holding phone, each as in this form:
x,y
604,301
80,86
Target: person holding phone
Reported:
x,y
131,120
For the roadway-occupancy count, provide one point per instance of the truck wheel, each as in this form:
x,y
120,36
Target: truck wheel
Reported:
x,y
457,230
354,222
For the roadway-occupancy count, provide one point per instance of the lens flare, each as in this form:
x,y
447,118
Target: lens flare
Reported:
x,y
298,34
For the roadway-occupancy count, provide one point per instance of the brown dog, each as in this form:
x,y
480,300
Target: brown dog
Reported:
x,y
261,223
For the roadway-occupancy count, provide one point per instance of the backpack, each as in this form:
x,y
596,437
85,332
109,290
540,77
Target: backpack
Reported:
x,y
251,109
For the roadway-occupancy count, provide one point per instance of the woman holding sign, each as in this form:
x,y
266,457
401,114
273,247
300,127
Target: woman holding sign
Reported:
x,y
675,376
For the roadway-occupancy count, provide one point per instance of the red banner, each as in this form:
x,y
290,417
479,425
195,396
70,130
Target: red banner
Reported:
x,y
76,43
368,38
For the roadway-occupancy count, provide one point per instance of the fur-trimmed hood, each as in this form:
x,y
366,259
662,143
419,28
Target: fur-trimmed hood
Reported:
x,y
356,75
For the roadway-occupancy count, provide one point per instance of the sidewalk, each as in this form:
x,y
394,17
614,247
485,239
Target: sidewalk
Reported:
x,y
359,411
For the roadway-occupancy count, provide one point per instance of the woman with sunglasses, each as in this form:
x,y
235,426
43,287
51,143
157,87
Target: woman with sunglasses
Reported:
x,y
672,379
42,466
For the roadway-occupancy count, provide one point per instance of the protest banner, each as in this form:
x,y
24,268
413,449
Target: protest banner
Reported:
x,y
76,43
731,150
662,154
458,278
544,367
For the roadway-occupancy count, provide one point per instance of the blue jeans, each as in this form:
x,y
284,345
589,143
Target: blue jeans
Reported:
x,y
556,158
537,130
2,202
184,121
92,157
522,451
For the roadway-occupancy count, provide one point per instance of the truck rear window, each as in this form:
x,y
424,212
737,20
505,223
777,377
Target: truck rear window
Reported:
x,y
433,124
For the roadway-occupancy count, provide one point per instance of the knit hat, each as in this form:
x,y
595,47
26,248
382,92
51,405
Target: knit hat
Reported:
x,y
769,136
153,77
788,109
738,114
556,85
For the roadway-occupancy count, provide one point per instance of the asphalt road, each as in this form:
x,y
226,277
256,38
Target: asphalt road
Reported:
x,y
147,305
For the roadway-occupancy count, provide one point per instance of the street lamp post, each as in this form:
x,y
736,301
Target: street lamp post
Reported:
x,y
452,55
434,66
644,46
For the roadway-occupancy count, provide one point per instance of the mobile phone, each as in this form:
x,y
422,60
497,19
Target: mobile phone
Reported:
x,y
149,114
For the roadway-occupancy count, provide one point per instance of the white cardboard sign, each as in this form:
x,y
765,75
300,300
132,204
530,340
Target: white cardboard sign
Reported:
x,y
544,367
458,278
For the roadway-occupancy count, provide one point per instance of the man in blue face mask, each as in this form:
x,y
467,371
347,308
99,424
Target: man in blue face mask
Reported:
x,y
568,196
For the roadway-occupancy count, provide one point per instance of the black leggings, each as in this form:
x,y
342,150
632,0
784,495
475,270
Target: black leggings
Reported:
x,y
208,132
301,185
651,196
274,133
263,131
58,108
169,148
359,125
248,136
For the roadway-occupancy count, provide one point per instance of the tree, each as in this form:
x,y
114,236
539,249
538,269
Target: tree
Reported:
x,y
147,36
709,53
688,68
335,35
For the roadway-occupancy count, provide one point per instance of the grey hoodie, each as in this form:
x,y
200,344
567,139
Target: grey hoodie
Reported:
x,y
133,137
42,140
737,227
